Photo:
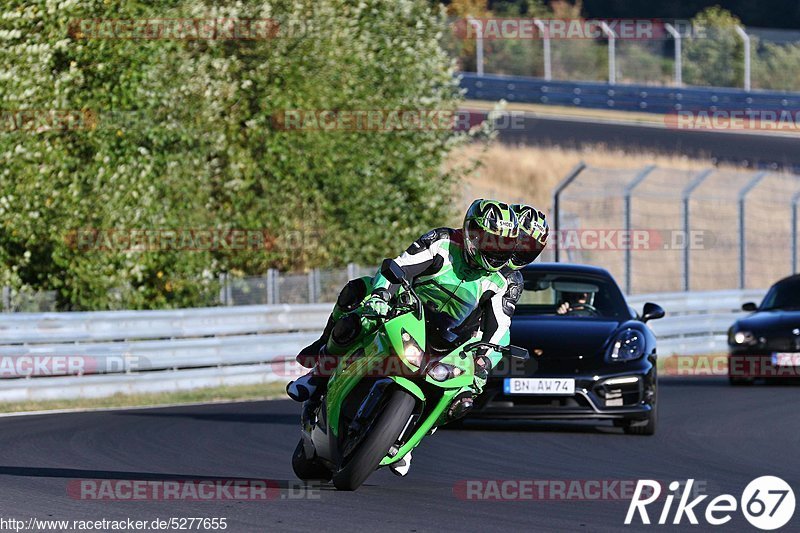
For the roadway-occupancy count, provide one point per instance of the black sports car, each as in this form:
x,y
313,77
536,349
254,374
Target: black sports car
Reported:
x,y
592,356
766,343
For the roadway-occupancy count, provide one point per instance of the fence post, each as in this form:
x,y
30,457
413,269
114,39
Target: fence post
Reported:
x,y
678,54
273,291
352,271
742,194
795,200
548,73
746,41
685,196
6,298
612,56
556,200
628,191
478,44
224,289
312,286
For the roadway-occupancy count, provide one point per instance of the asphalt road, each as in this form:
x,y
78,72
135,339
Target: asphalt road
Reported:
x,y
752,150
721,436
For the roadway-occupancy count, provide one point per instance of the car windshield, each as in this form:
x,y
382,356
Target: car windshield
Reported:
x,y
571,295
783,295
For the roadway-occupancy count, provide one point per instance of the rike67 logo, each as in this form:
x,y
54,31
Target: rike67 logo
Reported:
x,y
767,503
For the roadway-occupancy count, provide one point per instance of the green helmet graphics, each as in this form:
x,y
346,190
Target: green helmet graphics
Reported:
x,y
490,234
533,233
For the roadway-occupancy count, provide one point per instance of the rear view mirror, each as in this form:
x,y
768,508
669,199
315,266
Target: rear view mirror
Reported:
x,y
517,352
652,311
393,272
749,306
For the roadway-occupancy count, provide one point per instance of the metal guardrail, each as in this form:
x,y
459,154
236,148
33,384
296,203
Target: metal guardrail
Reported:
x,y
643,98
95,354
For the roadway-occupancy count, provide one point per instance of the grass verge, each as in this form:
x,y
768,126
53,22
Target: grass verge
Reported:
x,y
261,391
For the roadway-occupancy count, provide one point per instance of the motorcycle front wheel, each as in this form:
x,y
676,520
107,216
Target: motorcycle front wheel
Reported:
x,y
385,432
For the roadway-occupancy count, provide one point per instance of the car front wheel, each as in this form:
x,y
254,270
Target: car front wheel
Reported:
x,y
642,427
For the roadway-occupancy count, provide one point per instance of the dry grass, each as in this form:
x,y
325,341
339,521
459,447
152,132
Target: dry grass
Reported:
x,y
529,174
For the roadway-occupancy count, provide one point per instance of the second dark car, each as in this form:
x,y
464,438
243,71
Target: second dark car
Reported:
x,y
592,356
766,344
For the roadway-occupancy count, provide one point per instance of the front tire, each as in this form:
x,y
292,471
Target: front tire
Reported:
x,y
385,431
308,469
644,427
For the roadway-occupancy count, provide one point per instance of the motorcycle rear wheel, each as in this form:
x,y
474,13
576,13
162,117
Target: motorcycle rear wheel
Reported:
x,y
308,469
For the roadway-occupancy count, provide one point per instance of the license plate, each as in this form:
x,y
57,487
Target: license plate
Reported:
x,y
539,386
786,359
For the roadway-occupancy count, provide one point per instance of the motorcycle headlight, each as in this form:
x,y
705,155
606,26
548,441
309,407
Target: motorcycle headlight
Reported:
x,y
742,338
411,350
443,372
628,345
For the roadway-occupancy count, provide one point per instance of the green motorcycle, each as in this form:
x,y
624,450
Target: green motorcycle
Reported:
x,y
385,394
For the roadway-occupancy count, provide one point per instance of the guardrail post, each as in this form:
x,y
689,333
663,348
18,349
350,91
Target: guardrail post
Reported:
x,y
742,251
273,290
640,177
352,271
795,200
612,56
685,196
676,36
478,44
746,41
556,202
6,298
548,73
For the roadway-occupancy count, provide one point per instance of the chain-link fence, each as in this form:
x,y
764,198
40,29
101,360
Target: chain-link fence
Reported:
x,y
314,286
655,229
658,229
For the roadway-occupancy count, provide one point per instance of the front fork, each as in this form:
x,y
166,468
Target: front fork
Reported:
x,y
435,417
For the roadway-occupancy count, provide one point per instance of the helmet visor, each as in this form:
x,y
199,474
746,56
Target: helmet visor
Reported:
x,y
526,251
495,249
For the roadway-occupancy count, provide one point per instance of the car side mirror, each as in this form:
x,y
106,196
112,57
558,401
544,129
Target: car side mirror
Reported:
x,y
393,272
652,311
749,306
517,352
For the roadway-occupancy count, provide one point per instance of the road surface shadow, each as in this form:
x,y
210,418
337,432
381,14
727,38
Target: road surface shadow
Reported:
x,y
92,474
537,426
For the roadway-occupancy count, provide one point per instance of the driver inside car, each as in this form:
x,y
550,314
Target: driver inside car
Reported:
x,y
575,303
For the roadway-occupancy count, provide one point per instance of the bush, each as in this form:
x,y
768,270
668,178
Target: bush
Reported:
x,y
715,56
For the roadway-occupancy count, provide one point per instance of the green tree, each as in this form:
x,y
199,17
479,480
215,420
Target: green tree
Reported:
x,y
714,54
182,134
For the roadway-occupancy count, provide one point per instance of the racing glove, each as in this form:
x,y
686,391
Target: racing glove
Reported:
x,y
377,303
483,364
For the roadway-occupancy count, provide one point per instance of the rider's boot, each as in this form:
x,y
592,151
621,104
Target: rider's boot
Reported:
x,y
401,467
306,387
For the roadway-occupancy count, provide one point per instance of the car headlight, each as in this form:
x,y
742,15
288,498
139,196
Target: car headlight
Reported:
x,y
744,338
411,350
628,345
443,372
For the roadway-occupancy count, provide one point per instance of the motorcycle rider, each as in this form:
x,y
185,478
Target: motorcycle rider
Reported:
x,y
465,281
